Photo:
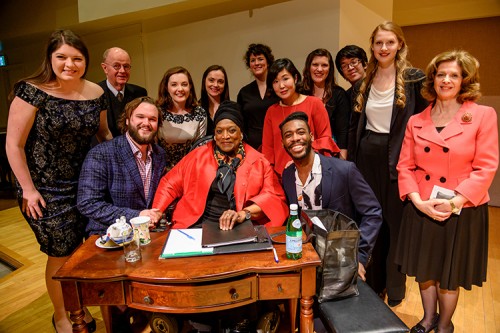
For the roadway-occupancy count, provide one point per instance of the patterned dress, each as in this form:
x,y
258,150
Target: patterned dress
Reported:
x,y
55,149
180,131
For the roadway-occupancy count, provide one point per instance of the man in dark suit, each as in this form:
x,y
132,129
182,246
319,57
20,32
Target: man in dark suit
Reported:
x,y
314,181
119,177
116,66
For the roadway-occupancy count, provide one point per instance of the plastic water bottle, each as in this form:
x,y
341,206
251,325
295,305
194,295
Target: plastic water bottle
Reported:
x,y
293,234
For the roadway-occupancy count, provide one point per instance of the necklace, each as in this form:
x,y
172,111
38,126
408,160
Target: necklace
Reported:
x,y
292,106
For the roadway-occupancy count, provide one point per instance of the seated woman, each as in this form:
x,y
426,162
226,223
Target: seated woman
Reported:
x,y
226,181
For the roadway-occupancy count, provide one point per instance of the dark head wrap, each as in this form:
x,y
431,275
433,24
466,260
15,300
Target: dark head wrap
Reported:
x,y
226,173
229,110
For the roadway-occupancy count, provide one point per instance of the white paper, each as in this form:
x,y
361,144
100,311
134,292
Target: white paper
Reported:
x,y
439,192
180,243
317,222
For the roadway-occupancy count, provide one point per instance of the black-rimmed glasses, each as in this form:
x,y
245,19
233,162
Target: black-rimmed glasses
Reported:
x,y
353,63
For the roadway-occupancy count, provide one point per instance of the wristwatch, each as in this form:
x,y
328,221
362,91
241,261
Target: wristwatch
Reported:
x,y
454,209
248,215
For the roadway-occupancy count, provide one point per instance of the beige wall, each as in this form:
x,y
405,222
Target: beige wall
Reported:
x,y
357,21
291,29
408,12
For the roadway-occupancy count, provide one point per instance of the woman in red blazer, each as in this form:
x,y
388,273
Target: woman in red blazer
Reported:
x,y
447,163
225,181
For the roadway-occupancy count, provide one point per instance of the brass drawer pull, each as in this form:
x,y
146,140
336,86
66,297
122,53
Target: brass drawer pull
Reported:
x,y
234,294
280,288
101,294
148,300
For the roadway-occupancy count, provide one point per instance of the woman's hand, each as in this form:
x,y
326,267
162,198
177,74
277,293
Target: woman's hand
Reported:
x,y
229,218
432,209
32,203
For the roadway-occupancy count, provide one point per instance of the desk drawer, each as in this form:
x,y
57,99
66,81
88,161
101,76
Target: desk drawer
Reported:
x,y
279,286
102,293
180,298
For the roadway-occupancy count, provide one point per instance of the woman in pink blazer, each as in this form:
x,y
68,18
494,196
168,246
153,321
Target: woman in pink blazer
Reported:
x,y
447,163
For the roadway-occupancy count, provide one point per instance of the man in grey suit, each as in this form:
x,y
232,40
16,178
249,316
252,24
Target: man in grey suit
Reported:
x,y
119,177
117,67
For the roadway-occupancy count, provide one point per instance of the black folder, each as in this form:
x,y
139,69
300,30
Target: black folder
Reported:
x,y
214,236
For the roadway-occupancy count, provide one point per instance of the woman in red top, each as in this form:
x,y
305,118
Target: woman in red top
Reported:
x,y
283,79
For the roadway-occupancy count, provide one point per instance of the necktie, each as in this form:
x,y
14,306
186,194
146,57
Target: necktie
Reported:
x,y
119,96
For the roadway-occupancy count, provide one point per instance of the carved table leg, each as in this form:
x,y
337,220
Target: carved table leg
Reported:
x,y
306,314
77,317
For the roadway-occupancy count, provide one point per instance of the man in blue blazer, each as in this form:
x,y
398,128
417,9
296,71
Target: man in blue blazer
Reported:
x,y
314,181
120,177
116,65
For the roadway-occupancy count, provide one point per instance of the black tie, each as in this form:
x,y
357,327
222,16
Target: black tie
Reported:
x,y
119,96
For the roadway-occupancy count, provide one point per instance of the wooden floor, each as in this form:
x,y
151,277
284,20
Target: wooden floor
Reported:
x,y
25,305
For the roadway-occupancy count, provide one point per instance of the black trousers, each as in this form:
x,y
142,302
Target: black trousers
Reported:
x,y
373,162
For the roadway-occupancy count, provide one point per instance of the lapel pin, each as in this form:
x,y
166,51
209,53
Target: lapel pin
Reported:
x,y
467,117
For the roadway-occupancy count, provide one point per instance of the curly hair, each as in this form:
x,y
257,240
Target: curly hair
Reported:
x,y
307,82
401,65
469,89
131,107
165,101
258,49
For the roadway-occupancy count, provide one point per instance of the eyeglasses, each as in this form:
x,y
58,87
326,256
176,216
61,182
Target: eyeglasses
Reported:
x,y
353,63
117,67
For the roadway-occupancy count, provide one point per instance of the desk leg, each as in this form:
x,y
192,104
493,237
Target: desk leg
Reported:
x,y
306,315
308,290
77,317
292,304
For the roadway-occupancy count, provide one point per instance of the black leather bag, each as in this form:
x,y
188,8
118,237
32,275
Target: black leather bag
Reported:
x,y
338,249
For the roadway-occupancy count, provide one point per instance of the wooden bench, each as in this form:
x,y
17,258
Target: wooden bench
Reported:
x,y
364,313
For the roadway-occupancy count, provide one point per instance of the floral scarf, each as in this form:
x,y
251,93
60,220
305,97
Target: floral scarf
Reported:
x,y
226,173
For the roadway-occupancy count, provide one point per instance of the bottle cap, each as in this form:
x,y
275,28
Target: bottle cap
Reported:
x,y
294,207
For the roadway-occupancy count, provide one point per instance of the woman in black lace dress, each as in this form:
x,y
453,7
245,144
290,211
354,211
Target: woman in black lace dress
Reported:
x,y
53,116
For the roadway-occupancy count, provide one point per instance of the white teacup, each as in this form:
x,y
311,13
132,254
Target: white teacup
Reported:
x,y
141,224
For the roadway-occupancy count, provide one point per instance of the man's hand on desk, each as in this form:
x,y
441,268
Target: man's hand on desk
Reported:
x,y
154,214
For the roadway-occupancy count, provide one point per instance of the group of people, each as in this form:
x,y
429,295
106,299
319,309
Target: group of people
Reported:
x,y
408,155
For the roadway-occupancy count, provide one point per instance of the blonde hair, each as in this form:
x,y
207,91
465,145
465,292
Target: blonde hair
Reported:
x,y
401,65
469,89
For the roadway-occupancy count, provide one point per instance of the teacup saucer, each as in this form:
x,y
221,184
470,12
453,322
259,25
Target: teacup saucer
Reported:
x,y
107,245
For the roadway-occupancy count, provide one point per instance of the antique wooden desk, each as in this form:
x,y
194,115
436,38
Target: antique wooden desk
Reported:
x,y
94,276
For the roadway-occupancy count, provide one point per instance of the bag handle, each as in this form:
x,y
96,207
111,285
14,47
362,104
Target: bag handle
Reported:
x,y
279,233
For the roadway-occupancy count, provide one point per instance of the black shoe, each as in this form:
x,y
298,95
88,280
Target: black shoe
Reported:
x,y
54,323
394,302
92,326
419,328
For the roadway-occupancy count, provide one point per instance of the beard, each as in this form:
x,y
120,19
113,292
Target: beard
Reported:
x,y
142,140
297,157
